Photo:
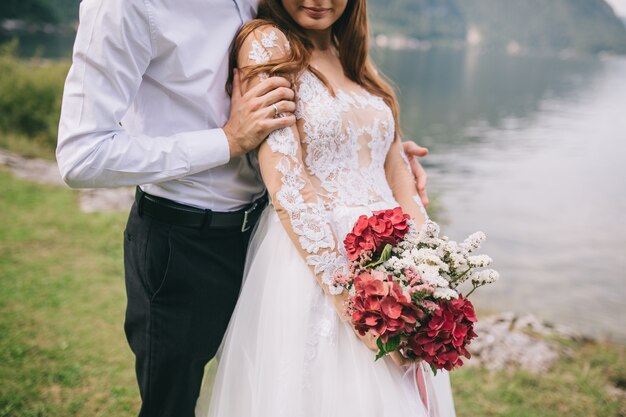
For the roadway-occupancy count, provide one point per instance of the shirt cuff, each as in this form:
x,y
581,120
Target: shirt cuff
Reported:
x,y
206,149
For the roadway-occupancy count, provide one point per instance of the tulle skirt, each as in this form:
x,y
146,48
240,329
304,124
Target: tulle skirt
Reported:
x,y
287,353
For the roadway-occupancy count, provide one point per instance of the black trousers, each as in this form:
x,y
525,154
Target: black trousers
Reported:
x,y
182,285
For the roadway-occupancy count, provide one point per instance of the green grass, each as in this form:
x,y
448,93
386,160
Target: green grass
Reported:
x,y
27,146
62,347
30,100
581,385
63,351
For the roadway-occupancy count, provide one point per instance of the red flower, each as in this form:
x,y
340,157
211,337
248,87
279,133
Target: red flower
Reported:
x,y
380,305
374,232
441,340
360,239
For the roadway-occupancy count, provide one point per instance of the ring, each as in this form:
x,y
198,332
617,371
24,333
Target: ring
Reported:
x,y
275,109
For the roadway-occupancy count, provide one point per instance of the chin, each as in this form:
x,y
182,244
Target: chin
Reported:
x,y
314,24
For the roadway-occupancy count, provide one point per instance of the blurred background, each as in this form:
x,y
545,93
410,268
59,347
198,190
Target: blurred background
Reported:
x,y
522,104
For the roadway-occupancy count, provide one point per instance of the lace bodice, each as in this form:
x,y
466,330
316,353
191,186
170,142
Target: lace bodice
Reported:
x,y
345,141
335,156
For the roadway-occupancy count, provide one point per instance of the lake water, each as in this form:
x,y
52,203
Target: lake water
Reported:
x,y
531,150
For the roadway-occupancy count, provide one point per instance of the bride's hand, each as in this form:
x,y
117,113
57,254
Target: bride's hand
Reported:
x,y
369,339
414,151
399,360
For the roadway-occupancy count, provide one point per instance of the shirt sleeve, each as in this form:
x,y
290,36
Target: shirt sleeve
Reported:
x,y
303,213
402,183
112,51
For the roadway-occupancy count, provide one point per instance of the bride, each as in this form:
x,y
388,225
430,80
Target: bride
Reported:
x,y
290,350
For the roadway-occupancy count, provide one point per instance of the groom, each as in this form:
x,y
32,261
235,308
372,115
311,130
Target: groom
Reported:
x,y
145,103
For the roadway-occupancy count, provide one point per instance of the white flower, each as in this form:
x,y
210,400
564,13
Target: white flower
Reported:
x,y
484,277
479,261
429,230
474,241
430,275
395,265
445,294
458,260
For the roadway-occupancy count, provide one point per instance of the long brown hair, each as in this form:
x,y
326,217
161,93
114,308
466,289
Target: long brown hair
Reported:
x,y
350,35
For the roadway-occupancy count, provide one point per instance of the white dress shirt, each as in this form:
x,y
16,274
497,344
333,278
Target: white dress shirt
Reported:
x,y
145,100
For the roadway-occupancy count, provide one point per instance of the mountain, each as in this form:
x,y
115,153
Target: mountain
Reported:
x,y
421,19
578,25
581,25
67,10
34,11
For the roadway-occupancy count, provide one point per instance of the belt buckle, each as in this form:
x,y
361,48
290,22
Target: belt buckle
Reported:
x,y
245,226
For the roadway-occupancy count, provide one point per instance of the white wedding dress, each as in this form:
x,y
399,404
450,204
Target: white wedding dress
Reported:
x,y
287,352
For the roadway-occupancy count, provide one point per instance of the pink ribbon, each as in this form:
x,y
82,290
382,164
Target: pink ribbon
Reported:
x,y
426,390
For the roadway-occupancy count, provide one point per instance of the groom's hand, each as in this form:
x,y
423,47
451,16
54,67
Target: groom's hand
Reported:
x,y
414,151
252,115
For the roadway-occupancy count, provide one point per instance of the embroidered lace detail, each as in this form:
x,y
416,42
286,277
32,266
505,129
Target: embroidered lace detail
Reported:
x,y
321,332
268,39
309,219
258,54
333,143
337,161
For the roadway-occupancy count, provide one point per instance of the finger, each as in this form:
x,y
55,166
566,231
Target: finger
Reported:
x,y
276,95
424,198
412,149
398,359
421,179
282,106
268,85
280,123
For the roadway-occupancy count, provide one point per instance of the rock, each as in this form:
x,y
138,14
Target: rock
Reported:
x,y
106,199
47,172
510,341
32,169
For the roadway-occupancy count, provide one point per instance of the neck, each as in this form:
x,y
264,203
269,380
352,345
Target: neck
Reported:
x,y
321,39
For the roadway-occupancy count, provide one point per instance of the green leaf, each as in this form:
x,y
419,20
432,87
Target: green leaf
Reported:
x,y
384,256
381,349
384,348
392,343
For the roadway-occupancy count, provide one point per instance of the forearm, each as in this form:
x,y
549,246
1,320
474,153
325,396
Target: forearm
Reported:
x,y
402,183
301,212
324,269
115,158
112,53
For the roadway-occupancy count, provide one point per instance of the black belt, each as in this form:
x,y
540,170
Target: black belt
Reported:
x,y
169,211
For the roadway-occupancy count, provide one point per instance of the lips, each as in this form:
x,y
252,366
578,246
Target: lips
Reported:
x,y
316,12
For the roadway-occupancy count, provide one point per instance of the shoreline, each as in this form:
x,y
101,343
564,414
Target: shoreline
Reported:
x,y
503,324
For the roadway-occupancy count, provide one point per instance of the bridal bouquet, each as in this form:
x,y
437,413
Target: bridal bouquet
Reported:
x,y
404,287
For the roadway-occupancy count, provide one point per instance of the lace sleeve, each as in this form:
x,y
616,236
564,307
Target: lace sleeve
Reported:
x,y
402,183
302,212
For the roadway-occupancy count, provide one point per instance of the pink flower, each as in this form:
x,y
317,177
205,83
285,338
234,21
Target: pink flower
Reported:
x,y
429,305
371,284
